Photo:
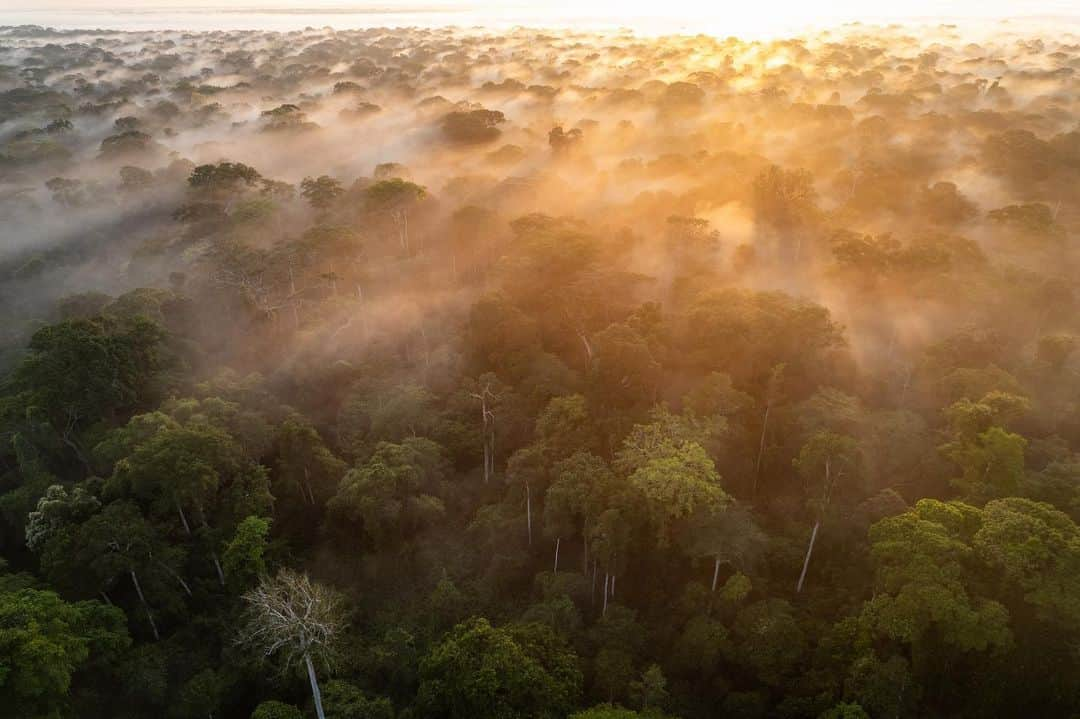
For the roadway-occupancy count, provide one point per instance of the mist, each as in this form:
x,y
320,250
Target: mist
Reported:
x,y
446,326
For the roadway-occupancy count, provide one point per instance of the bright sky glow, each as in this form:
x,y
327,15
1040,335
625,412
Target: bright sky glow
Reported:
x,y
755,18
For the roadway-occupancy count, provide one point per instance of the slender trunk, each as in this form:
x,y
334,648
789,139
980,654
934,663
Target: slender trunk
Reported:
x,y
217,566
528,511
307,485
604,613
761,448
183,518
715,573
315,693
585,548
557,540
806,561
588,347
175,575
486,464
146,607
612,591
592,591
66,439
106,597
292,295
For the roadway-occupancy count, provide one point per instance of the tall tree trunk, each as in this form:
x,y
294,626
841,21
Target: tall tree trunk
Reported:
x,y
528,511
183,518
809,551
315,693
557,540
217,566
584,552
307,485
146,607
715,573
175,575
761,449
65,437
604,613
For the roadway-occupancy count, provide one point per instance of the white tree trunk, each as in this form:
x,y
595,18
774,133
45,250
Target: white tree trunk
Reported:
x,y
715,573
761,448
307,485
315,693
183,518
217,566
175,575
146,607
528,511
557,540
809,551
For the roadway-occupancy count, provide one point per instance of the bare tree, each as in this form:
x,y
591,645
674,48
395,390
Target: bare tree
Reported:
x,y
486,398
296,618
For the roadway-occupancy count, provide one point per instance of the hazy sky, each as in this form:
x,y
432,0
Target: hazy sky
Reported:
x,y
710,8
742,17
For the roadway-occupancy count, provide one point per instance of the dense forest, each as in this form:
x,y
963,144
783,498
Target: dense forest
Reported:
x,y
461,374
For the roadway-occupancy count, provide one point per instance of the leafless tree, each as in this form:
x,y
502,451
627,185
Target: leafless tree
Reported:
x,y
295,618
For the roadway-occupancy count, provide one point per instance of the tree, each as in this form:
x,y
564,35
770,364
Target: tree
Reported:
x,y
80,371
650,690
321,192
45,642
223,179
472,126
845,710
304,463
276,710
1035,549
829,458
197,470
345,701
483,672
990,458
583,483
395,198
769,639
725,534
201,695
244,558
119,542
394,494
784,198
921,589
606,711
290,616
676,482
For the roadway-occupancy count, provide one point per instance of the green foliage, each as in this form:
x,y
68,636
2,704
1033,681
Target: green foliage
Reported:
x,y
482,671
44,641
345,701
394,494
244,558
321,192
276,710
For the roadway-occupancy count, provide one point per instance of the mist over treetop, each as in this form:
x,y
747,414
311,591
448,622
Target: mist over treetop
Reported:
x,y
465,372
